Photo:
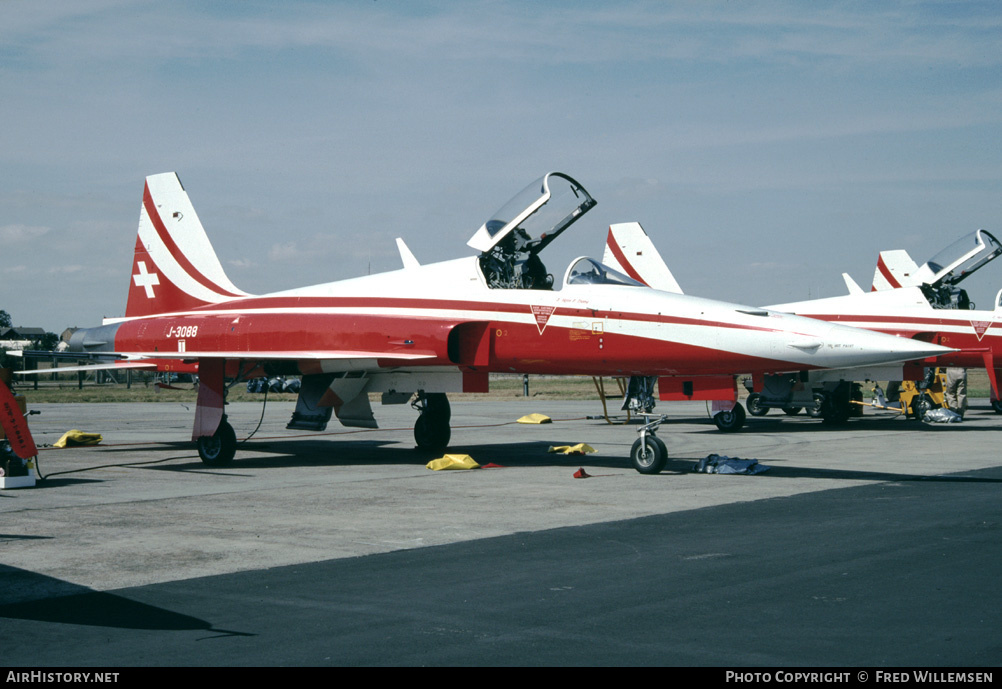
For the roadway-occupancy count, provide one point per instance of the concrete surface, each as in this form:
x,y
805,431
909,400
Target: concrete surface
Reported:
x,y
135,533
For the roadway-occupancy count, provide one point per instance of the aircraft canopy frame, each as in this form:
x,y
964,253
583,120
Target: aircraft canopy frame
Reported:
x,y
588,271
961,259
542,211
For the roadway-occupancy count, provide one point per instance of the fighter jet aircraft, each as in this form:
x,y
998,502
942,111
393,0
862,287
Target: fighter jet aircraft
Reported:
x,y
925,303
427,330
921,302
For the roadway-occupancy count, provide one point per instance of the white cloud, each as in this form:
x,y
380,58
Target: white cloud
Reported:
x,y
287,252
418,119
10,234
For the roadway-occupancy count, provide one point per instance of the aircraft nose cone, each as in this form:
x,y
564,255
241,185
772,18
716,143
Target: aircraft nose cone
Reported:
x,y
867,347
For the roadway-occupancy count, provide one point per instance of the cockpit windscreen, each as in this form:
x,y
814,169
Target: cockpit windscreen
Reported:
x,y
588,271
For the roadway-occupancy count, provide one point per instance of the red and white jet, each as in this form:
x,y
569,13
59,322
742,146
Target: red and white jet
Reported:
x,y
921,302
925,303
438,328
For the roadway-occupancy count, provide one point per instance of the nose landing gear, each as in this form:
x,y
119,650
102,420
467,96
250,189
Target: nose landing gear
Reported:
x,y
649,454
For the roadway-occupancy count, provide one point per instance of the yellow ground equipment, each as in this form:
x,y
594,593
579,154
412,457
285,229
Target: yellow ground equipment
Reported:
x,y
918,398
910,397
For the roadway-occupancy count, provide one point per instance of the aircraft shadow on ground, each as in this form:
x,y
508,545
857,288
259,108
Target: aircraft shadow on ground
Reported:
x,y
61,482
805,425
280,454
686,466
26,595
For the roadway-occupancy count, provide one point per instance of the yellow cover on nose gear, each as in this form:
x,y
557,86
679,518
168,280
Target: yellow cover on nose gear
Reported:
x,y
579,449
452,462
75,437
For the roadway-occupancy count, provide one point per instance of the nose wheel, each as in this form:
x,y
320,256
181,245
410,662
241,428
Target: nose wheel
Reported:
x,y
649,454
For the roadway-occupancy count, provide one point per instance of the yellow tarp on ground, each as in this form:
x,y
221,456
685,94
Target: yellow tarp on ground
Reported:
x,y
535,418
75,437
452,462
579,449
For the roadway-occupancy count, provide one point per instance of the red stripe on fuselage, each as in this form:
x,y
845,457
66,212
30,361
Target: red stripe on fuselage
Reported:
x,y
515,346
918,323
475,310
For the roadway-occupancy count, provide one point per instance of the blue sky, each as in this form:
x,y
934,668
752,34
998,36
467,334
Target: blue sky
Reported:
x,y
766,147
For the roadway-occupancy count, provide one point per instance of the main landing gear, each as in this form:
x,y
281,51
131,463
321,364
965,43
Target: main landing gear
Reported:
x,y
431,430
730,421
218,449
649,454
212,433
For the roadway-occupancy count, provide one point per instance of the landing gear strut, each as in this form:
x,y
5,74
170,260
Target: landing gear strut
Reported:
x,y
213,435
431,430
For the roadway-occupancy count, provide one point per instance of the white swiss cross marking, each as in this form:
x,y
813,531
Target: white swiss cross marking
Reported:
x,y
146,280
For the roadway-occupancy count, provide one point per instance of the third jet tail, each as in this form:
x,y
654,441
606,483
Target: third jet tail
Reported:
x,y
174,267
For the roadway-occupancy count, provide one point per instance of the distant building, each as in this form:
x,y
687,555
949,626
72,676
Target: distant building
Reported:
x,y
21,333
20,337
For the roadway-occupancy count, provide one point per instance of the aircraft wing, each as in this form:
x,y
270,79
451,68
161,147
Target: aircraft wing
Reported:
x,y
149,360
110,366
286,355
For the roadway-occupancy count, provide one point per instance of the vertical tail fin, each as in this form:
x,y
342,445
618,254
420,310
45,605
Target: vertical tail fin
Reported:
x,y
629,250
174,267
894,269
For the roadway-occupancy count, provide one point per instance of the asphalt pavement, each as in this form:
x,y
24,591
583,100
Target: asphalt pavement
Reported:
x,y
875,544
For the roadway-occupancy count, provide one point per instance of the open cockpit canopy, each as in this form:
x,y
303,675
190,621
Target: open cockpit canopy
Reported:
x,y
939,276
542,211
961,259
511,240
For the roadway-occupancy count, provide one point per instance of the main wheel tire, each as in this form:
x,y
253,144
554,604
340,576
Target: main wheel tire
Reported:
x,y
730,421
432,432
754,404
218,449
921,404
649,456
815,411
834,411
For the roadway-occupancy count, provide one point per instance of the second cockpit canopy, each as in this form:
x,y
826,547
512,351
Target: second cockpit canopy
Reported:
x,y
939,276
588,271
